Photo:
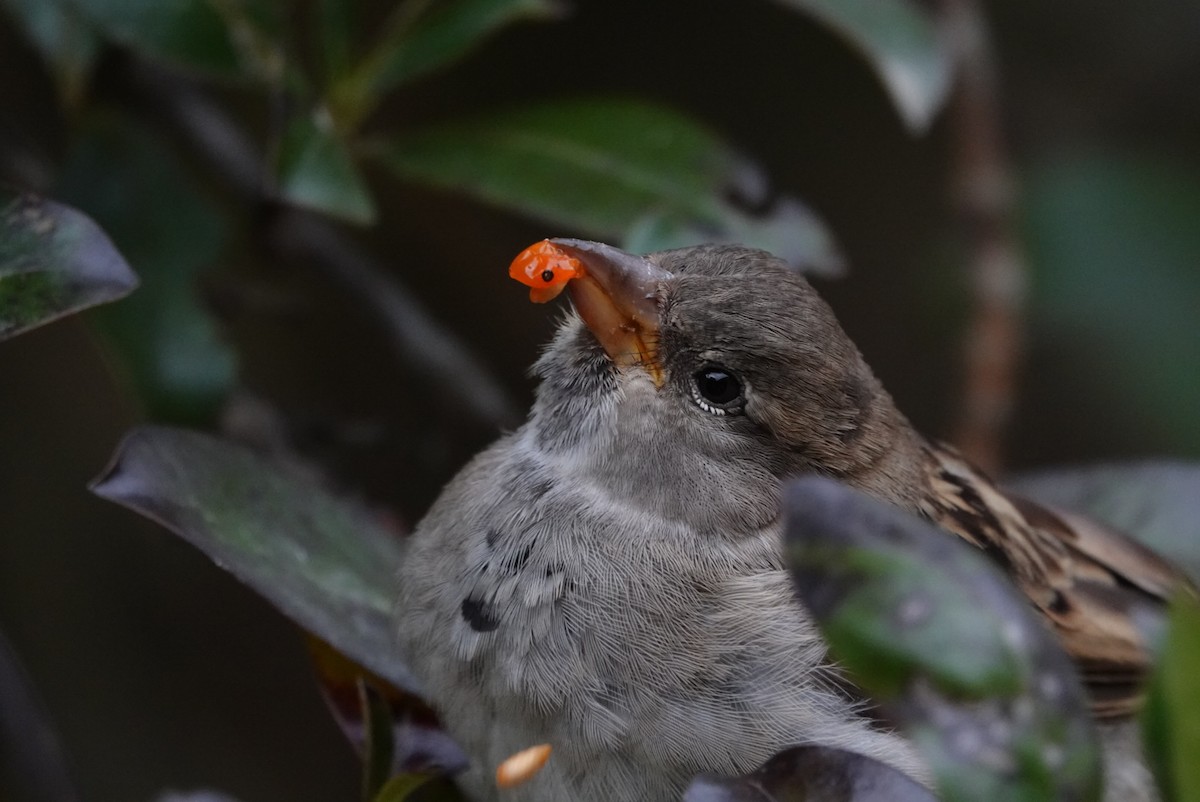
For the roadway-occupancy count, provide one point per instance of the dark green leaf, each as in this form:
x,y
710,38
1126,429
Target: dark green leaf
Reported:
x,y
607,169
53,261
337,36
324,562
901,42
945,642
812,774
1115,247
137,189
401,787
64,39
445,33
1156,502
318,172
379,743
1171,718
189,33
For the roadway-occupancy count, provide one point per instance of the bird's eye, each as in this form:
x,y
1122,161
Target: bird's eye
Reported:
x,y
715,389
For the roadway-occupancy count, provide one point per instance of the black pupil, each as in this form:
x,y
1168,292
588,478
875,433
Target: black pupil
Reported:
x,y
547,276
717,386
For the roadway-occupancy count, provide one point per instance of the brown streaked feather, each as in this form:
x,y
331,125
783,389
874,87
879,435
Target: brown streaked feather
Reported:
x,y
1086,579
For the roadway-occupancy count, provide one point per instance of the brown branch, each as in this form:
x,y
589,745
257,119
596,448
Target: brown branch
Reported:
x,y
984,195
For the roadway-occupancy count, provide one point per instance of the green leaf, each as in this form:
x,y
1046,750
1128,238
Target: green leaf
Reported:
x,y
379,743
945,642
812,774
1171,718
1156,502
189,33
318,172
1114,248
901,41
137,189
448,31
65,41
324,562
53,261
401,787
606,169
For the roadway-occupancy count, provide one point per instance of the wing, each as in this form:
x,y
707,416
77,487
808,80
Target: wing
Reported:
x,y
1089,581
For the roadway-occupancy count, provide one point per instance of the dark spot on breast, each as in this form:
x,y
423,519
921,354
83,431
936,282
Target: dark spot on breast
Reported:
x,y
479,615
492,537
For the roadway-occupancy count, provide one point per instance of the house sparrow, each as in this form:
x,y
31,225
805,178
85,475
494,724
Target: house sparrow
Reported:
x,y
608,578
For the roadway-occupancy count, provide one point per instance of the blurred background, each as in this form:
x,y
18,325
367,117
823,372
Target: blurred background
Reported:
x,y
195,133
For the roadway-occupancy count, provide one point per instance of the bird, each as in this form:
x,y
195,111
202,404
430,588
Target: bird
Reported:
x,y
608,577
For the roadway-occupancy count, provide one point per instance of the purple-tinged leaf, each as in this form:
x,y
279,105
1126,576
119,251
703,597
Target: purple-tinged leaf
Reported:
x,y
812,774
53,261
323,561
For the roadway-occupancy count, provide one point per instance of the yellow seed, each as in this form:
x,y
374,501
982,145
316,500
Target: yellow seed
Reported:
x,y
521,766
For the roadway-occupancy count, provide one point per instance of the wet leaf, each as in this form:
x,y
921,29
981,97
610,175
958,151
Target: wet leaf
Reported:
x,y
901,41
1156,502
812,774
610,170
946,644
1171,718
53,261
136,188
321,560
318,172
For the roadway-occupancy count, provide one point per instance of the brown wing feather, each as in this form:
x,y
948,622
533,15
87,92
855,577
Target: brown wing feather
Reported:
x,y
1089,581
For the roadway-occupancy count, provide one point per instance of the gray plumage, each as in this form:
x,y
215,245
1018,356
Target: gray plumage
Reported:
x,y
608,579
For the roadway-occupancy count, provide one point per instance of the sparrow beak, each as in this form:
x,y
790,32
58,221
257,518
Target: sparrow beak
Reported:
x,y
617,297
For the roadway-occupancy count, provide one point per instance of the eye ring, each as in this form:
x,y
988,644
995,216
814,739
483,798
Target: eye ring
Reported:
x,y
717,390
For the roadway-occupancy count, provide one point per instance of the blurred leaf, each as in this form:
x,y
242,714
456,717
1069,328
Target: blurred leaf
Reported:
x,y
32,765
420,37
1115,246
812,774
64,39
1156,502
379,745
401,787
318,172
53,261
1171,718
901,42
336,18
947,645
189,33
136,188
609,169
321,560
447,32
791,231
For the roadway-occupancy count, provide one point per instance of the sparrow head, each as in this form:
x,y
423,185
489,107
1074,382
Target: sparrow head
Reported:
x,y
704,374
